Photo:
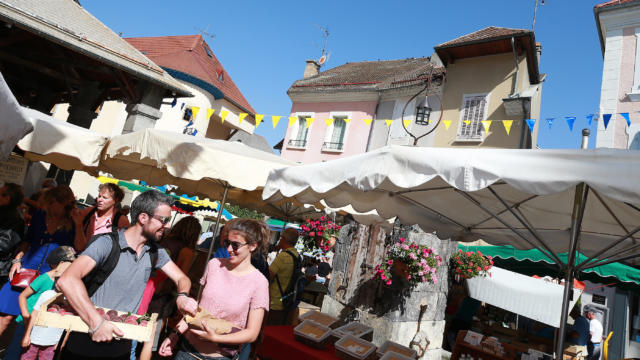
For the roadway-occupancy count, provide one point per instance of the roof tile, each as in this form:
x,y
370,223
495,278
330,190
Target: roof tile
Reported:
x,y
374,75
488,33
190,54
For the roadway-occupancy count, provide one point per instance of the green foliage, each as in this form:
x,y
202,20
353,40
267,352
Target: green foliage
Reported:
x,y
241,212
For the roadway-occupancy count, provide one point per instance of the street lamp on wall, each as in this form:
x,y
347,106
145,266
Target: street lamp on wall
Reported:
x,y
422,115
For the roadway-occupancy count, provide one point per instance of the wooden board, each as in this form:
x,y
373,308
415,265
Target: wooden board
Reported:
x,y
75,323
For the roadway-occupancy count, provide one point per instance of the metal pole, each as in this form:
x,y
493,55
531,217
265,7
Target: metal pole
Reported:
x,y
579,204
215,230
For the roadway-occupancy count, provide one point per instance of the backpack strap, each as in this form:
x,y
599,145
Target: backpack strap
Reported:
x,y
101,272
153,256
115,220
296,261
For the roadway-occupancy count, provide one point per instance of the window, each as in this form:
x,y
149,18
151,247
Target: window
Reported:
x,y
422,115
188,114
474,110
301,132
336,141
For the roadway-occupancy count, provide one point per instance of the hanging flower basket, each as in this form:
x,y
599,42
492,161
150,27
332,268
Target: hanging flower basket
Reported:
x,y
318,236
468,264
414,263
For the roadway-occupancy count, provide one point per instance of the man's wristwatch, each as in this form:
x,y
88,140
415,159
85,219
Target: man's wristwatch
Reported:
x,y
182,294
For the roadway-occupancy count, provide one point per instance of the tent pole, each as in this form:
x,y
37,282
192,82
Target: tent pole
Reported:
x,y
215,230
579,204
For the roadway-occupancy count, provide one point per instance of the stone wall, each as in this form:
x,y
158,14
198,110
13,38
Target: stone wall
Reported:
x,y
410,316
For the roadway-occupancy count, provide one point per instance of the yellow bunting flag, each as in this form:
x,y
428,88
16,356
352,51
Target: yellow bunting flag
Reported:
x,y
347,120
275,119
328,121
467,122
507,125
388,122
447,123
292,120
367,121
194,111
241,117
310,121
406,123
486,124
259,118
224,114
209,113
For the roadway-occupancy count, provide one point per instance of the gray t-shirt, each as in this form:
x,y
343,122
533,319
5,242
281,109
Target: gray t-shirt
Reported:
x,y
123,289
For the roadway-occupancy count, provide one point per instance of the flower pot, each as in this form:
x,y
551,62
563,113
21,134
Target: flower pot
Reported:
x,y
401,269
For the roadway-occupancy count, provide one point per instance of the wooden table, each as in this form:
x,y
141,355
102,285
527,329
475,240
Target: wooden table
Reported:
x,y
462,347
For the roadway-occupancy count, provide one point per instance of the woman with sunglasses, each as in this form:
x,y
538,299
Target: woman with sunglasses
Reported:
x,y
235,291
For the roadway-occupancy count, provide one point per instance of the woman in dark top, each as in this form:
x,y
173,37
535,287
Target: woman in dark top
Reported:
x,y
50,228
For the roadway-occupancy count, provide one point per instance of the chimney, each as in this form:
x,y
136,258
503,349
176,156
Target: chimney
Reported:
x,y
538,51
311,69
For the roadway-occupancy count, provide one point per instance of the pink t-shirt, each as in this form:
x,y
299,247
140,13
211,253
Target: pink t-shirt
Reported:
x,y
230,297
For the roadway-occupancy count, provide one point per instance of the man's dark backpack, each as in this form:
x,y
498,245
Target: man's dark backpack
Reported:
x,y
292,295
99,274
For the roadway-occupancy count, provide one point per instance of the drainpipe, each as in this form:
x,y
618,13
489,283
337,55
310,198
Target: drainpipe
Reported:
x,y
515,57
373,122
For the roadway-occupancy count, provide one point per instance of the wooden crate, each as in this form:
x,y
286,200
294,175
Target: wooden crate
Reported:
x,y
75,323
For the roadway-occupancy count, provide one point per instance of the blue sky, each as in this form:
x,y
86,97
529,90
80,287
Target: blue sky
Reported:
x,y
263,45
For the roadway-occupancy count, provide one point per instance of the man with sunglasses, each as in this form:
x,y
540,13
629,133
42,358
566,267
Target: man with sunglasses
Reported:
x,y
123,288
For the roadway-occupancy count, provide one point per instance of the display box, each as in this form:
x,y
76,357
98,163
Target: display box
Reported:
x,y
320,318
354,348
64,319
397,348
313,334
356,329
392,355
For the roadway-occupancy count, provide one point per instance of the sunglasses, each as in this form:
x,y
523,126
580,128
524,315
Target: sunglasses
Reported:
x,y
163,219
234,244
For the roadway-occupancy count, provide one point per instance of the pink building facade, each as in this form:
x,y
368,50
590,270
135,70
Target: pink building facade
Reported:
x,y
317,142
618,25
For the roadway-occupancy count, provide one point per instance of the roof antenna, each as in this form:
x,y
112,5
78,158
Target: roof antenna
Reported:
x,y
324,55
206,32
535,11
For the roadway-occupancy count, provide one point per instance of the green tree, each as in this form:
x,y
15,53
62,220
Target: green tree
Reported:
x,y
241,212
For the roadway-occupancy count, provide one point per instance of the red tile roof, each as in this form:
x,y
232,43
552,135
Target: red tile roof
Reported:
x,y
367,75
188,54
486,34
612,3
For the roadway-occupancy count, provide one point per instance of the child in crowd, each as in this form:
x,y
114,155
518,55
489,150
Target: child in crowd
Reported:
x,y
41,342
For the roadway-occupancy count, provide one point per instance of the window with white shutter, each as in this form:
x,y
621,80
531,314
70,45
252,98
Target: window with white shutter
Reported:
x,y
300,132
474,110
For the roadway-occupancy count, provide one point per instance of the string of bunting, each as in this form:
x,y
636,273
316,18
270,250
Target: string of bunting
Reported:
x,y
486,124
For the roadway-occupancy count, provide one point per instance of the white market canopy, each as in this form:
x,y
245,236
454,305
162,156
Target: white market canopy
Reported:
x,y
523,198
198,166
536,299
65,145
13,122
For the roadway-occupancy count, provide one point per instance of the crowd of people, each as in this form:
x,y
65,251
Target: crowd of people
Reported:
x,y
100,257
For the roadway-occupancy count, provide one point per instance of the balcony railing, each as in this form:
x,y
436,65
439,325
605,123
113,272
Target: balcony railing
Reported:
x,y
297,143
332,146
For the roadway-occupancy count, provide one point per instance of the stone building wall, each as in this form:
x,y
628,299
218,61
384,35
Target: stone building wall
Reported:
x,y
410,316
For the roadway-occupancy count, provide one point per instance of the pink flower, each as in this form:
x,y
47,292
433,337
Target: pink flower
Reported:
x,y
434,278
382,276
388,282
479,268
319,233
420,273
405,247
312,233
412,256
424,279
390,262
408,277
322,219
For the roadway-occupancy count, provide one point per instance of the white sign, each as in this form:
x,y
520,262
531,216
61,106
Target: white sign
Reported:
x,y
13,170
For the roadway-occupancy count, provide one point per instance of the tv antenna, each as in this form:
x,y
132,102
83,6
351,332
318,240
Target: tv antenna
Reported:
x,y
206,33
535,11
324,54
